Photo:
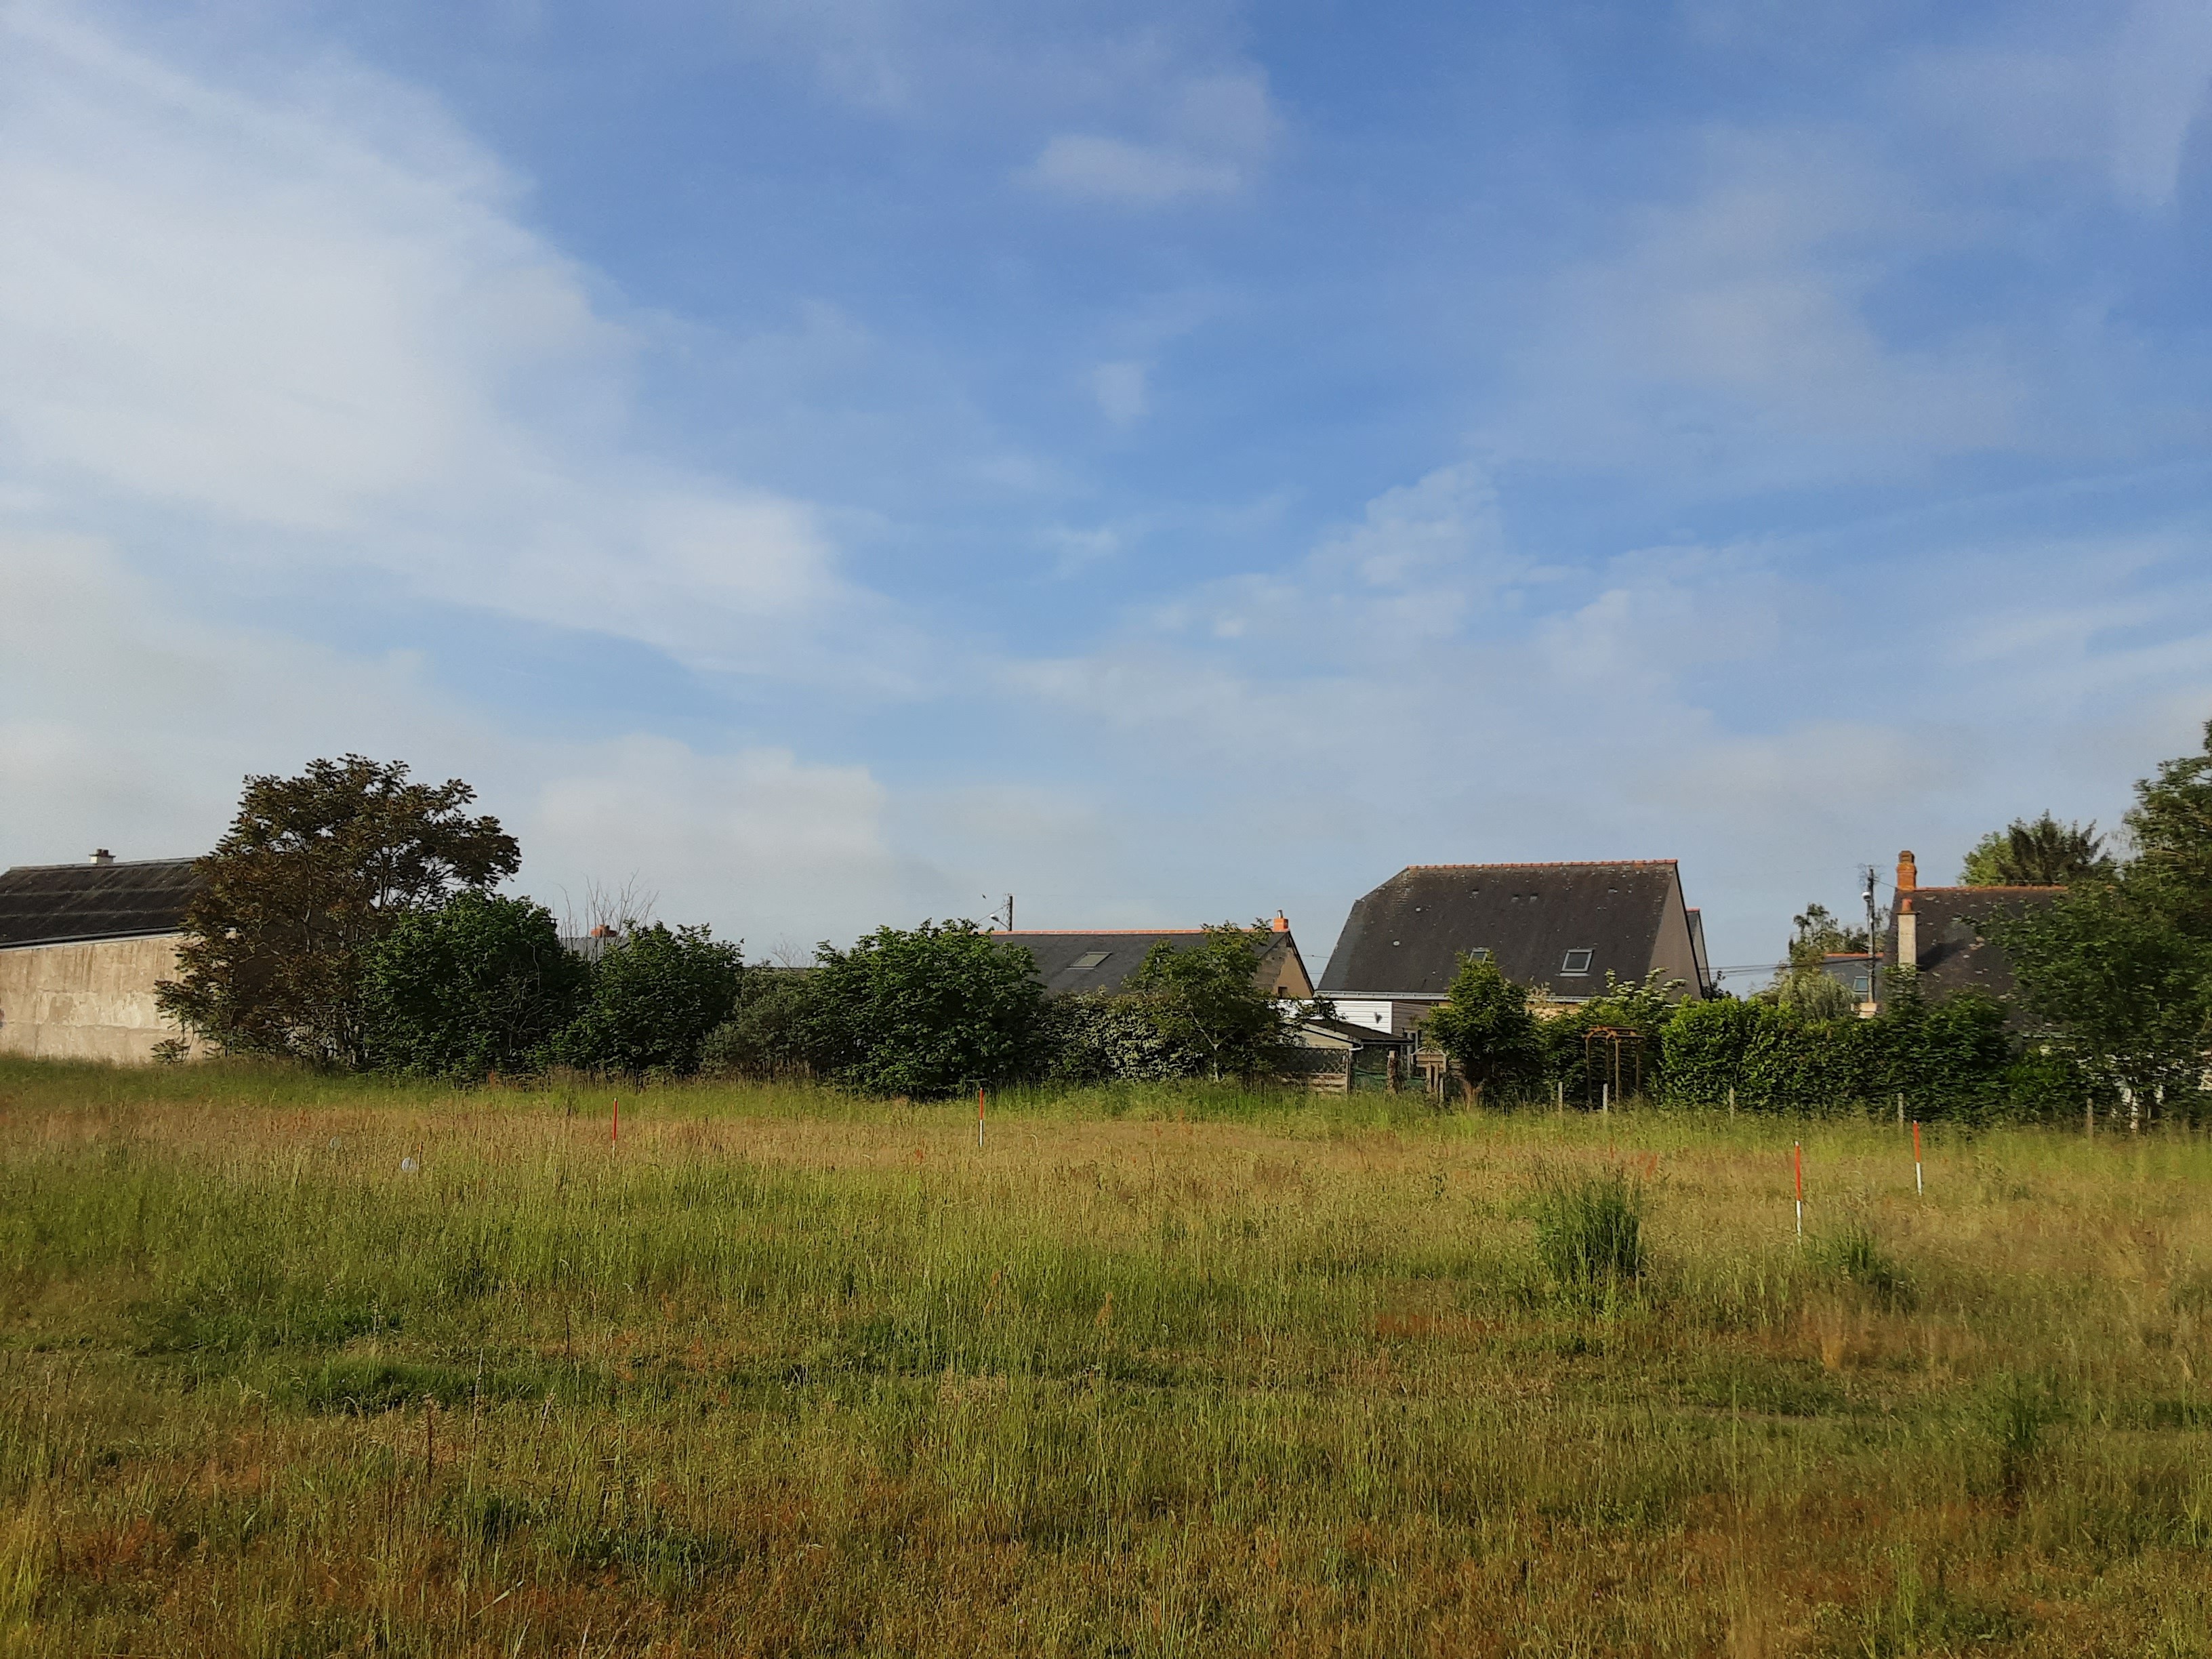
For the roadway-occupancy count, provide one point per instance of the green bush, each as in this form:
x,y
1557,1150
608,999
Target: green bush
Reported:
x,y
925,1012
770,1032
654,997
480,984
1109,1038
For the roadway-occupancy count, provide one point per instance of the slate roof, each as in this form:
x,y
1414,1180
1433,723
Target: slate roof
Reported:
x,y
1953,955
1404,938
61,903
1117,954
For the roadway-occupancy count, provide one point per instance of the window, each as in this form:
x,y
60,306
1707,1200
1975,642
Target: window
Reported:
x,y
1089,959
1578,961
1480,953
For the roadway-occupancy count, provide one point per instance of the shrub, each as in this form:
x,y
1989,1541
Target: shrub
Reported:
x,y
654,997
1589,1229
925,1013
1105,1037
770,1033
478,985
1703,1044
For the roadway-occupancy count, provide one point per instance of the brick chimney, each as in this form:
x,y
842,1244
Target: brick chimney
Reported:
x,y
1281,924
1908,925
101,856
603,931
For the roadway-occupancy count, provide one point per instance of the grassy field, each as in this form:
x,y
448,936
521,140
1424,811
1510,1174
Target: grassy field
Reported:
x,y
297,1366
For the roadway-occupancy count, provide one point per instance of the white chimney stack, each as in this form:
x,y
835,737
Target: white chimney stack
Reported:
x,y
103,856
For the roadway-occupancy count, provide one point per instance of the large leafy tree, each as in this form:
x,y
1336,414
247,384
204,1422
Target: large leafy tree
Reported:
x,y
2120,968
2039,852
925,1011
479,985
2172,824
1485,1024
313,871
1208,1000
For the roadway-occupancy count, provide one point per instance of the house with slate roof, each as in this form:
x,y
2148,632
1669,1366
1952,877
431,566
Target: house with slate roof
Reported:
x,y
1102,959
1073,961
1938,931
1558,928
82,947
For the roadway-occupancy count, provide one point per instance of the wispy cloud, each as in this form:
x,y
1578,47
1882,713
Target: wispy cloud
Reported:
x,y
1208,138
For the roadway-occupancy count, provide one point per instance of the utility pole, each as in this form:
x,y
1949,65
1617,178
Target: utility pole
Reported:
x,y
1874,952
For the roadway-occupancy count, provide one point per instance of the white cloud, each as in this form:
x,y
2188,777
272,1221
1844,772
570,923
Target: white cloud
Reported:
x,y
1121,392
303,339
127,722
1209,138
1732,334
2163,73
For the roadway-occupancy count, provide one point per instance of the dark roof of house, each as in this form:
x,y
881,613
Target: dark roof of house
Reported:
x,y
59,903
1952,954
1101,961
1405,938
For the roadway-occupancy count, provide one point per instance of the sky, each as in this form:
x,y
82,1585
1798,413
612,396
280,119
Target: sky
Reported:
x,y
839,463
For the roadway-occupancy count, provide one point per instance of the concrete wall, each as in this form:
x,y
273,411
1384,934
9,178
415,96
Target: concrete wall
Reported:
x,y
89,1001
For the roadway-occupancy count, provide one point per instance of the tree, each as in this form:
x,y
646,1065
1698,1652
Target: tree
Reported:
x,y
2172,823
925,1013
312,871
1818,934
2036,852
1805,985
479,985
2111,972
1485,1024
1811,994
1208,1000
655,995
2119,968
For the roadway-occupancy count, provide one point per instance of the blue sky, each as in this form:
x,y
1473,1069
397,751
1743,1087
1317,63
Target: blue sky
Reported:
x,y
834,461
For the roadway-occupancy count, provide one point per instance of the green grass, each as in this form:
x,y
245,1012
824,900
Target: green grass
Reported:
x,y
1152,1371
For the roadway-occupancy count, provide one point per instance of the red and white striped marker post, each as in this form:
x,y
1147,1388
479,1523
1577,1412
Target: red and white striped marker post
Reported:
x,y
979,1117
1797,1158
1919,1186
614,1134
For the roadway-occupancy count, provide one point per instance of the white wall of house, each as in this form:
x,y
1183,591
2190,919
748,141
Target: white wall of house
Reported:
x,y
92,1000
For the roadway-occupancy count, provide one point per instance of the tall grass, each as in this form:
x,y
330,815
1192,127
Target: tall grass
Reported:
x,y
1150,1372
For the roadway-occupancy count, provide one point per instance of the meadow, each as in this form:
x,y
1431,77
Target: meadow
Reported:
x,y
302,1366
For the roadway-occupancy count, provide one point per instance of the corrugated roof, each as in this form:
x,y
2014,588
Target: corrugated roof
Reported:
x,y
60,903
1405,938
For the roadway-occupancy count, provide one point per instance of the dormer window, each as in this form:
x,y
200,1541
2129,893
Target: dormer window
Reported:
x,y
1089,960
1577,964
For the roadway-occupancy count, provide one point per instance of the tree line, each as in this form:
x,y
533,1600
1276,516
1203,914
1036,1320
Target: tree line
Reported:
x,y
350,918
